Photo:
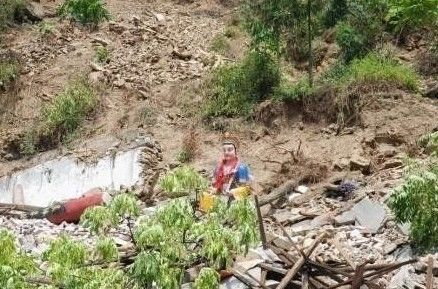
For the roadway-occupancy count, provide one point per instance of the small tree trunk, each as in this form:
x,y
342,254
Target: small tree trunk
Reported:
x,y
309,32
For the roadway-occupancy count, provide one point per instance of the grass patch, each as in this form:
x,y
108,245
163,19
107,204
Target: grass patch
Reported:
x,y
376,69
234,89
290,92
61,118
373,69
219,44
102,54
69,109
8,72
9,10
46,28
85,11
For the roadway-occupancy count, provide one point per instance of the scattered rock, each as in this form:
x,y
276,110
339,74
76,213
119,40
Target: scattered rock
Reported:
x,y
160,17
302,189
431,91
117,27
369,214
96,67
392,163
403,279
100,41
360,163
345,218
247,265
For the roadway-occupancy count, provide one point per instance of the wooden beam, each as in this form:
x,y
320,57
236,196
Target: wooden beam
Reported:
x,y
260,218
429,276
297,266
277,193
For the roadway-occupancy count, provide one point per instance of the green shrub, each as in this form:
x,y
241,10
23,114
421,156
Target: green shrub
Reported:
x,y
220,44
350,41
375,69
292,91
68,110
102,54
412,14
430,143
85,11
336,11
9,10
416,202
182,181
8,72
46,28
235,89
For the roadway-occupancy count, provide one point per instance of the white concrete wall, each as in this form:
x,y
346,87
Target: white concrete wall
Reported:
x,y
66,178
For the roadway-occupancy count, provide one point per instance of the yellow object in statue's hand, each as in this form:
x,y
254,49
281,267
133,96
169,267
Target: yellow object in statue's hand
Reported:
x,y
241,192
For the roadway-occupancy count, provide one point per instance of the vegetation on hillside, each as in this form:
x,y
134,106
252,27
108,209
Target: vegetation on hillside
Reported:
x,y
61,118
85,11
10,10
287,30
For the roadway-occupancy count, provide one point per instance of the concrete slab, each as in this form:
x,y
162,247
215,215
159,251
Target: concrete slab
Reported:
x,y
369,214
66,178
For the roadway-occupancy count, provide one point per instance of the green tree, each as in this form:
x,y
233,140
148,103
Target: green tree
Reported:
x,y
274,23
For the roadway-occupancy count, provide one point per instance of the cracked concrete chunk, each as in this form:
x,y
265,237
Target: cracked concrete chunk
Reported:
x,y
369,214
346,218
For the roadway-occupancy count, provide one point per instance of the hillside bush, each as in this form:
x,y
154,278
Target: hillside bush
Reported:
x,y
290,92
351,42
9,11
8,72
85,11
413,14
68,110
430,143
182,181
416,202
336,11
376,69
235,89
102,54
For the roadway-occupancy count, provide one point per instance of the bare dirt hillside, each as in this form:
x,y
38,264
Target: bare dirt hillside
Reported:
x,y
159,55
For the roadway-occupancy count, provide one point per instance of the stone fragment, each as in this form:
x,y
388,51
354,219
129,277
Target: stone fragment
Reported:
x,y
346,218
283,215
360,163
302,189
369,214
403,278
244,266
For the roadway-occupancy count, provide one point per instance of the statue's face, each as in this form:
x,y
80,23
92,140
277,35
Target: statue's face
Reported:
x,y
229,152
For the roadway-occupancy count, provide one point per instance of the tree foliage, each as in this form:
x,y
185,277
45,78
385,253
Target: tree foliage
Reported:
x,y
165,244
416,202
85,11
413,14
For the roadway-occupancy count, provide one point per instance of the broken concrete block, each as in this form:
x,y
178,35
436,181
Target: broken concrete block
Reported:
x,y
267,255
232,283
292,196
403,279
369,214
346,218
245,266
283,215
301,226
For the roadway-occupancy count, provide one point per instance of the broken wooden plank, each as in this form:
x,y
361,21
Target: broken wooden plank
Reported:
x,y
294,270
260,218
23,208
275,269
277,193
429,275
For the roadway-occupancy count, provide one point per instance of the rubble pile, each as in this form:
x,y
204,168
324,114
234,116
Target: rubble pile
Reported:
x,y
318,241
